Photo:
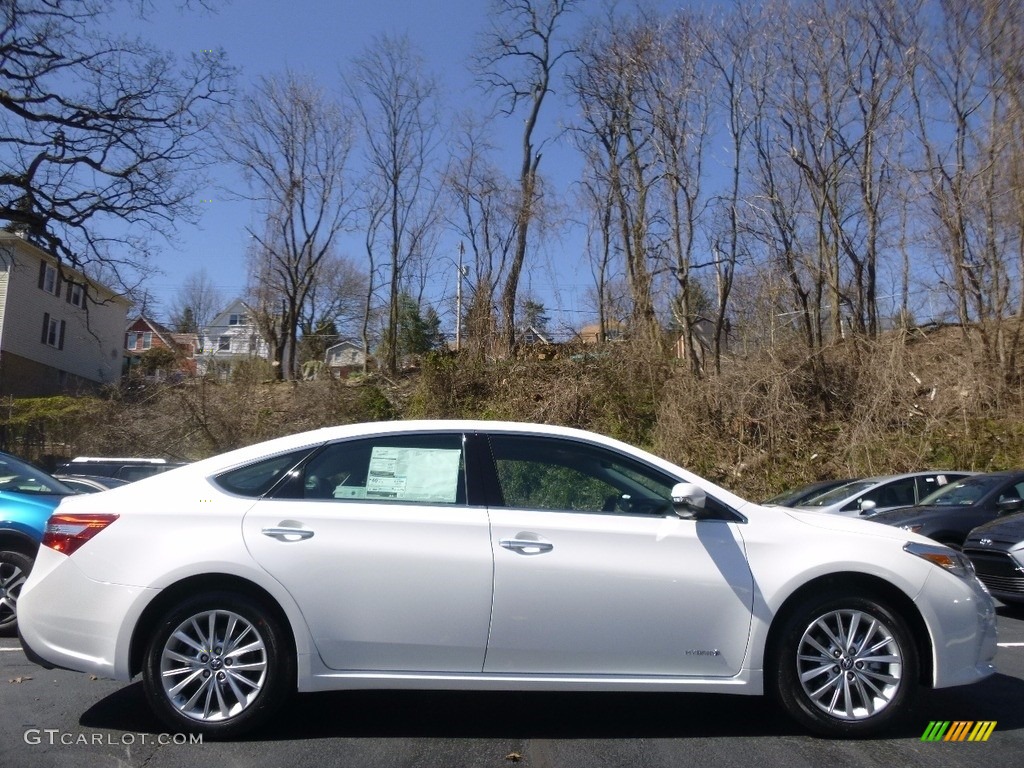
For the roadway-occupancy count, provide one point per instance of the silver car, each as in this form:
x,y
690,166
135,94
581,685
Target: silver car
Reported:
x,y
867,497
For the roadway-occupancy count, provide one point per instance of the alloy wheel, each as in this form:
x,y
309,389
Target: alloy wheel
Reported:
x,y
849,664
213,665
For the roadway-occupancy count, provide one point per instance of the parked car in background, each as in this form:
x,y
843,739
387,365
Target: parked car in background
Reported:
x,y
997,551
129,469
490,555
794,497
90,483
874,494
27,497
949,514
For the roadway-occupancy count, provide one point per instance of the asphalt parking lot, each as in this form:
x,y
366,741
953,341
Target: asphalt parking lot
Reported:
x,y
56,718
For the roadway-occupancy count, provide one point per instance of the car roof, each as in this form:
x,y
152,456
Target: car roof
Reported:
x,y
242,456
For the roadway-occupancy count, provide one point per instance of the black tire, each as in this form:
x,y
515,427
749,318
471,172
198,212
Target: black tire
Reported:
x,y
866,688
234,672
14,570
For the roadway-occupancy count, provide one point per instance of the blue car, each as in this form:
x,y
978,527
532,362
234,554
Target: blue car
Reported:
x,y
27,498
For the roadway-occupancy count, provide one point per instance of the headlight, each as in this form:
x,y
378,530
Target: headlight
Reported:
x,y
944,557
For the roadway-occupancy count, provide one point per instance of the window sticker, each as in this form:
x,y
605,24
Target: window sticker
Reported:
x,y
414,474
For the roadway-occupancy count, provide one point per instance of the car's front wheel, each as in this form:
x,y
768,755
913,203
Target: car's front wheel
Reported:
x,y
14,570
217,664
846,666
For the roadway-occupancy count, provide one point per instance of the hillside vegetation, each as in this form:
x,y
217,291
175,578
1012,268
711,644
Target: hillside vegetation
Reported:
x,y
912,400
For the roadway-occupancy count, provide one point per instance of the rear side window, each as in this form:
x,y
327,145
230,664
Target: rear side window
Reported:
x,y
417,469
257,479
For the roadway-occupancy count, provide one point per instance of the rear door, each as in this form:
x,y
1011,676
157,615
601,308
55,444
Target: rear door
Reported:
x,y
389,564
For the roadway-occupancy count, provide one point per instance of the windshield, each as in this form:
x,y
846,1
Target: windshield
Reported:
x,y
840,493
962,493
20,477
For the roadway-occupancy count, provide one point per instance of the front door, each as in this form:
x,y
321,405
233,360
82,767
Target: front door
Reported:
x,y
594,574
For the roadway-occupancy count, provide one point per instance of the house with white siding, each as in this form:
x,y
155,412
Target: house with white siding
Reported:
x,y
231,337
60,332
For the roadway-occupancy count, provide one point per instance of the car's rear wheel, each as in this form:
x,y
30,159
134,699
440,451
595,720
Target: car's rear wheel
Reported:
x,y
14,570
846,666
217,664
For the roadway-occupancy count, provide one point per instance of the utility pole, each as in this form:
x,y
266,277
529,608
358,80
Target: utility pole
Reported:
x,y
458,299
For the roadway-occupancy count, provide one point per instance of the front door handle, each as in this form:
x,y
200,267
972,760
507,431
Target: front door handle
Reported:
x,y
288,534
527,546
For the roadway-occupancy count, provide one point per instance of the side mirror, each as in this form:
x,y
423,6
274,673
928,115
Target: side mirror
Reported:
x,y
688,500
867,506
1005,506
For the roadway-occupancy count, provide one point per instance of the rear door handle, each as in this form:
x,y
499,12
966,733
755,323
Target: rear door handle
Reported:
x,y
288,534
527,546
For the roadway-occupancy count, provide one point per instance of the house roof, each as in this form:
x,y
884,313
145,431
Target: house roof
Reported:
x,y
67,272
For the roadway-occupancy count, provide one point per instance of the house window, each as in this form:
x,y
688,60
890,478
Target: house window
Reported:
x,y
236,319
53,332
48,277
224,344
76,295
133,341
147,340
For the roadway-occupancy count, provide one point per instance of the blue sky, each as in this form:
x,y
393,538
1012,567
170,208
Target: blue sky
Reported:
x,y
262,37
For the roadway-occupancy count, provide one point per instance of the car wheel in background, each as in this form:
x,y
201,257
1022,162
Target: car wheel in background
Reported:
x,y
846,666
218,665
14,570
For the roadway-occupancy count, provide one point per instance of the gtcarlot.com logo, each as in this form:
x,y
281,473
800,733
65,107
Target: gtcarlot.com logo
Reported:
x,y
55,736
959,730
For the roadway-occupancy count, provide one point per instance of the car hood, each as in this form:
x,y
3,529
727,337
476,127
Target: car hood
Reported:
x,y
1009,529
903,515
850,525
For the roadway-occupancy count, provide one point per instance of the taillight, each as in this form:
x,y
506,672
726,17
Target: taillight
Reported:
x,y
67,532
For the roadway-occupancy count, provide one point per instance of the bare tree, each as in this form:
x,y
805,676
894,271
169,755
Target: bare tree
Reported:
x,y
484,214
966,94
678,109
99,131
196,303
521,55
597,199
608,85
395,102
292,145
335,298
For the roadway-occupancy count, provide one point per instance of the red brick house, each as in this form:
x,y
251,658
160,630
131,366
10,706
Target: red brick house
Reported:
x,y
144,334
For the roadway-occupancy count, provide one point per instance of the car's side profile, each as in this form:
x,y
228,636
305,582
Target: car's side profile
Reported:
x,y
874,495
950,513
487,555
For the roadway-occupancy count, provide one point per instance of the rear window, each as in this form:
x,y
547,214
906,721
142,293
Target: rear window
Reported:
x,y
255,480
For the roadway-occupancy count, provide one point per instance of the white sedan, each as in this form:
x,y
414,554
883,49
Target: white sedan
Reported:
x,y
489,555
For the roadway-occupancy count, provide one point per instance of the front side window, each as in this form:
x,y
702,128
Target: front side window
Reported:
x,y
564,475
409,469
